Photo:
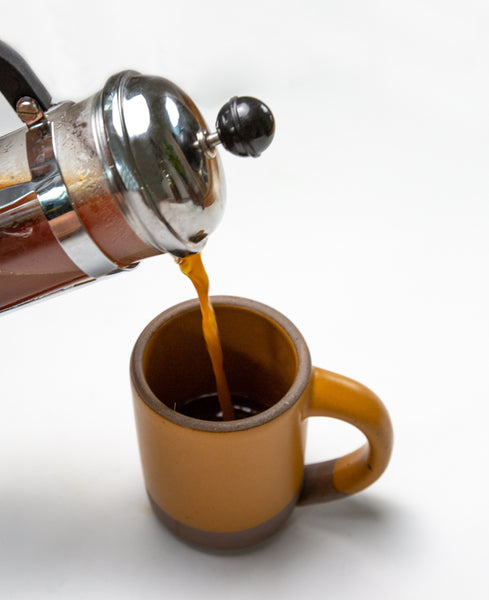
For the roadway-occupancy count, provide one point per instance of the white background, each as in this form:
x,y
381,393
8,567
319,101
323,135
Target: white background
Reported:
x,y
366,223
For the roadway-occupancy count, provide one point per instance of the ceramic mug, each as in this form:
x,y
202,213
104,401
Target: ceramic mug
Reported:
x,y
230,484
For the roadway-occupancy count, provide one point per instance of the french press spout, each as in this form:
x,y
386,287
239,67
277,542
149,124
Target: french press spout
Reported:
x,y
88,189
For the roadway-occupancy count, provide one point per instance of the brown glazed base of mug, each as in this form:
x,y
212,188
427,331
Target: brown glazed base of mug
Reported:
x,y
233,540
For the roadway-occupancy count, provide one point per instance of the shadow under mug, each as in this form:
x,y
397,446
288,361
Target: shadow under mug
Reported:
x,y
230,484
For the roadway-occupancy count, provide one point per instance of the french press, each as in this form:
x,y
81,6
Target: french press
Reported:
x,y
89,189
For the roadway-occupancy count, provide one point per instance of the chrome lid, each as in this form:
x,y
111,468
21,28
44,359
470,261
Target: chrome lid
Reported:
x,y
163,158
171,194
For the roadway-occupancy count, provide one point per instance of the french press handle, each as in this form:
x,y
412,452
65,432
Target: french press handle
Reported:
x,y
17,79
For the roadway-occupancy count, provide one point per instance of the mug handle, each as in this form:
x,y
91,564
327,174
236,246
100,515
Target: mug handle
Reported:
x,y
342,398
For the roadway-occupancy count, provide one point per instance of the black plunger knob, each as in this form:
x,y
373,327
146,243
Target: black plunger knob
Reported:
x,y
245,126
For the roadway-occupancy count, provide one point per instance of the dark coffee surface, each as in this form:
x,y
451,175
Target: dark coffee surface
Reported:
x,y
206,407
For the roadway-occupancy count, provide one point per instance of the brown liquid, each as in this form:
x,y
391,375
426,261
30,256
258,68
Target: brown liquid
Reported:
x,y
33,263
207,407
193,267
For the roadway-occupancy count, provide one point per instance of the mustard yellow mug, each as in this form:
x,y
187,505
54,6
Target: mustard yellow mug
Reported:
x,y
230,484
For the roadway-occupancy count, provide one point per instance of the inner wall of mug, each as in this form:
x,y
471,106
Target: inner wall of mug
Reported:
x,y
261,360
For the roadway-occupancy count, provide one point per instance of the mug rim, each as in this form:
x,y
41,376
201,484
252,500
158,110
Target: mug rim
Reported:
x,y
293,394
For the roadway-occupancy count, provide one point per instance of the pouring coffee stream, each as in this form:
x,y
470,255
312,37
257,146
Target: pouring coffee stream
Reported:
x,y
193,268
91,188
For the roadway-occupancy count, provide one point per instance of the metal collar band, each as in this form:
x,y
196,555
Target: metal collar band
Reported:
x,y
66,225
